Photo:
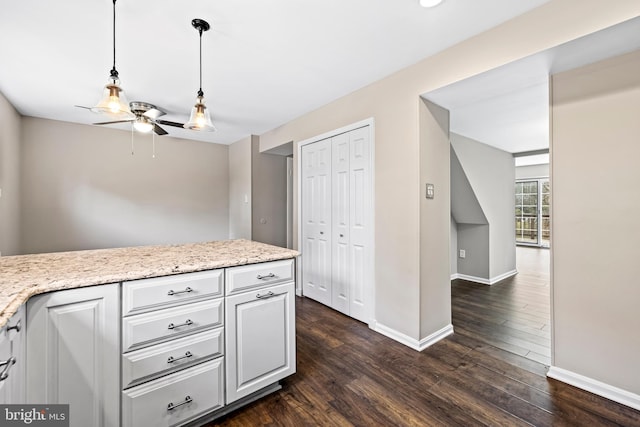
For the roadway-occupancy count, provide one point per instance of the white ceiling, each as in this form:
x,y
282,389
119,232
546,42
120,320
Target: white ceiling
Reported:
x,y
508,107
265,62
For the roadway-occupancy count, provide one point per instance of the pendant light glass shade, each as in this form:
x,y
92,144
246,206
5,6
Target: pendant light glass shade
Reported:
x,y
113,101
200,118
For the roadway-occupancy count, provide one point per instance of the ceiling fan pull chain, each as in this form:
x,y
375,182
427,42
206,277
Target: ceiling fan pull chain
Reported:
x,y
153,143
132,139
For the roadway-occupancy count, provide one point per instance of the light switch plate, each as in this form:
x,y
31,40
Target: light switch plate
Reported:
x,y
430,191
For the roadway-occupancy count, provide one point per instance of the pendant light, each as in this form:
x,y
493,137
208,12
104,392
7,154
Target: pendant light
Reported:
x,y
200,118
113,101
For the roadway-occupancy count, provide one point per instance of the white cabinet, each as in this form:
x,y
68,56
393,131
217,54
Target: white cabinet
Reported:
x,y
73,353
337,222
260,328
175,399
12,360
173,352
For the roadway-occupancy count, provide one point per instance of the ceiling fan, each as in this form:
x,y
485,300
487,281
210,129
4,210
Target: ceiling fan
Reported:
x,y
146,118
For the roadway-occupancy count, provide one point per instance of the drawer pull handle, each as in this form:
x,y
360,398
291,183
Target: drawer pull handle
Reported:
x,y
189,322
266,296
267,276
186,356
7,366
172,292
15,327
171,406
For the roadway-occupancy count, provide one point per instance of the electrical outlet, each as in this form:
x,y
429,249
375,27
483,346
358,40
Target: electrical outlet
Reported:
x,y
463,253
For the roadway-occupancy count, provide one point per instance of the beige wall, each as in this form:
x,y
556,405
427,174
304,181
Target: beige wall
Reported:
x,y
9,178
269,196
595,150
393,103
435,219
240,189
82,188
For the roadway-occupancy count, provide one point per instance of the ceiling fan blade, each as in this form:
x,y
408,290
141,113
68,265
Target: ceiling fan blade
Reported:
x,y
153,113
168,123
159,131
82,106
116,121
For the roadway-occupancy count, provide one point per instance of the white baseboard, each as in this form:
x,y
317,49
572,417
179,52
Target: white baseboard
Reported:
x,y
503,276
482,280
412,342
594,386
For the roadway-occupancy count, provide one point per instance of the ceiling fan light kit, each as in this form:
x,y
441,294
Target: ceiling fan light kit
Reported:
x,y
113,101
143,124
199,119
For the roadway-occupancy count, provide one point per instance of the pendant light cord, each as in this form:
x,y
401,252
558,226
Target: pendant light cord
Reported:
x,y
200,92
114,72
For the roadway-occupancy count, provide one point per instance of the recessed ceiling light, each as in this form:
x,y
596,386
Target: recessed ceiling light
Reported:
x,y
430,3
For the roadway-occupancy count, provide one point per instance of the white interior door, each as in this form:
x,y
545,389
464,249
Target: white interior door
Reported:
x,y
340,222
337,221
359,257
316,221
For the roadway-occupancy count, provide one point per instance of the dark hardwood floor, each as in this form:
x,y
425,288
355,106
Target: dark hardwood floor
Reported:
x,y
349,375
513,314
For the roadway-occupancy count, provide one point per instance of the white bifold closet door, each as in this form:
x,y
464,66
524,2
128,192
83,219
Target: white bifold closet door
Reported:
x,y
336,222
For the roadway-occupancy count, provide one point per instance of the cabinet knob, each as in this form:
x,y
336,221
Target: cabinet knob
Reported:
x,y
342,235
322,232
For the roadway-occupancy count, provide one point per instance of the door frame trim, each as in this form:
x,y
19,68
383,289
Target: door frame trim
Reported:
x,y
370,122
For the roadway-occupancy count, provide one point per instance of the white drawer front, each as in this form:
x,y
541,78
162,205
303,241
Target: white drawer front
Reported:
x,y
148,404
159,359
149,294
161,325
242,278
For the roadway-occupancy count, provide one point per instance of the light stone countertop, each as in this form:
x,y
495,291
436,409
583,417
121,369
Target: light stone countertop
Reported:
x,y
24,276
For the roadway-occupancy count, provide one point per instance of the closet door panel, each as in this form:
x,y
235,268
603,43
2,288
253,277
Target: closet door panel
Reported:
x,y
340,222
360,222
316,219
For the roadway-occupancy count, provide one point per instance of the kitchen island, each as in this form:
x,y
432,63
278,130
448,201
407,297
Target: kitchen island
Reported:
x,y
166,335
